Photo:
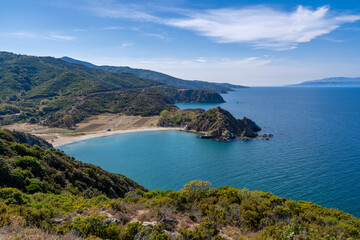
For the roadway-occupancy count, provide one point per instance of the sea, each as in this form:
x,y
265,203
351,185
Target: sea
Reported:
x,y
314,154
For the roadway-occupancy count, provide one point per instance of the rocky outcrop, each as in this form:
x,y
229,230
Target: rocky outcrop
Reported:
x,y
22,137
219,124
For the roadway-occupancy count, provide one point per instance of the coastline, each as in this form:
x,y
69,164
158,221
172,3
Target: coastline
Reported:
x,y
92,127
63,140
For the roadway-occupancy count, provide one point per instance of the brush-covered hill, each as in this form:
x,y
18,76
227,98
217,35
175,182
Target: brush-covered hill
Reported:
x,y
31,165
45,194
58,93
38,77
161,77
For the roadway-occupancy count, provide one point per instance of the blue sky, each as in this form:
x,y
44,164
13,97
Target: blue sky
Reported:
x,y
255,43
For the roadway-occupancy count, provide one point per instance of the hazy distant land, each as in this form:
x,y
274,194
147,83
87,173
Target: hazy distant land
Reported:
x,y
330,82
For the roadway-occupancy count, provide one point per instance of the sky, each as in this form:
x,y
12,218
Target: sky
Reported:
x,y
253,43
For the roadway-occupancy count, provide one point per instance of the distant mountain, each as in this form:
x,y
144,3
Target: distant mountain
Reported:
x,y
161,77
331,82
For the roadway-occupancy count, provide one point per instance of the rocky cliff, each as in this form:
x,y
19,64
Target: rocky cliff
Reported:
x,y
219,124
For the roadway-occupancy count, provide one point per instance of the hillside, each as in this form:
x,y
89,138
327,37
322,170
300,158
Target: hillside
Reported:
x,y
45,194
331,82
31,165
161,77
37,77
60,94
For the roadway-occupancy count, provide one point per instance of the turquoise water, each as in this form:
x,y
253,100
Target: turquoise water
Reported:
x,y
314,155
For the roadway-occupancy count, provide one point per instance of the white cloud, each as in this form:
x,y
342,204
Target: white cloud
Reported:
x,y
58,37
127,44
200,59
49,36
260,26
263,27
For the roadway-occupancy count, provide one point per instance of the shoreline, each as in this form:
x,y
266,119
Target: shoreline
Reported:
x,y
92,127
63,140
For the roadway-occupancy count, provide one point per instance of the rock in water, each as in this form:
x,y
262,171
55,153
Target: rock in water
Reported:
x,y
248,132
250,124
220,124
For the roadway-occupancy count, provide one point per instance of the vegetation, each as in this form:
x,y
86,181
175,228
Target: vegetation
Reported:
x,y
34,168
198,211
178,117
27,77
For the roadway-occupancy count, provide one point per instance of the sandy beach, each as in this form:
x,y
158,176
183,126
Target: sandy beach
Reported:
x,y
95,126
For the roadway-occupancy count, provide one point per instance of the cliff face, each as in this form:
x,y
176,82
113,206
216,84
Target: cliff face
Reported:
x,y
32,140
198,96
219,124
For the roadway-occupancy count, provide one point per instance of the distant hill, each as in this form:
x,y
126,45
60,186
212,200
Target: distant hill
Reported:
x,y
331,82
161,77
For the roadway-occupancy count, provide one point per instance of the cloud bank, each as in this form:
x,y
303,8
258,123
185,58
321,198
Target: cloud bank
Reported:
x,y
260,26
264,27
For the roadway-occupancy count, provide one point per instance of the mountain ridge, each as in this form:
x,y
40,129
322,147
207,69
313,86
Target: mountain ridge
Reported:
x,y
161,77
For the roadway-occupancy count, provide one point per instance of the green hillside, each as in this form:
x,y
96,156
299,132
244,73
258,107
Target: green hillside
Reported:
x,y
31,166
45,194
36,77
57,93
161,77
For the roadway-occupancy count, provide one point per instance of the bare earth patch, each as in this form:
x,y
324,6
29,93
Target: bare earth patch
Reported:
x,y
94,126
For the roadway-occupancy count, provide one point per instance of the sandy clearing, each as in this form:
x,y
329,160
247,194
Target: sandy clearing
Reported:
x,y
94,126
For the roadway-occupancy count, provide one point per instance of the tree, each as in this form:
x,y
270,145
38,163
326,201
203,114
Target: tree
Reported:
x,y
68,121
196,189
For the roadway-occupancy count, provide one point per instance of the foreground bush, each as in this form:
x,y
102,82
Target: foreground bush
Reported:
x,y
196,212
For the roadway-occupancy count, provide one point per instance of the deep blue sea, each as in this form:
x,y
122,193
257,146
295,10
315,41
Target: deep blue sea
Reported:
x,y
314,155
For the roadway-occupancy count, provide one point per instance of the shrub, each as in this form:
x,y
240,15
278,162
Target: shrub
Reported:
x,y
31,164
13,196
90,225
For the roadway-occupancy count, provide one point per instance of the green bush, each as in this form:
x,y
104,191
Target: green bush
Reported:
x,y
30,163
90,225
13,196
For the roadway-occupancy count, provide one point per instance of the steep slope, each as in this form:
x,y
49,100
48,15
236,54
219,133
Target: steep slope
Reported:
x,y
331,82
161,77
31,168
